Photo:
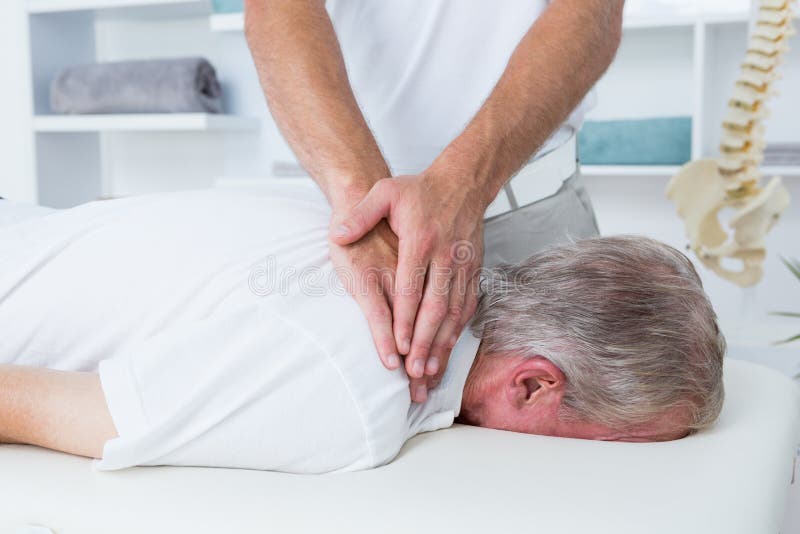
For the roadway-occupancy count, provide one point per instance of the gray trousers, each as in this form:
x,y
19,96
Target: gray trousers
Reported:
x,y
563,216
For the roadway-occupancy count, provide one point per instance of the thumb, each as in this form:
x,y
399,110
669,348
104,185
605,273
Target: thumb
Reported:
x,y
364,216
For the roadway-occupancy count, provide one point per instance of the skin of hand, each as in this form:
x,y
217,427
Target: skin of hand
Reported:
x,y
440,224
366,269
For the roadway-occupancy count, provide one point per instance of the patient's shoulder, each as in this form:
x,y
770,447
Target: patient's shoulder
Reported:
x,y
388,410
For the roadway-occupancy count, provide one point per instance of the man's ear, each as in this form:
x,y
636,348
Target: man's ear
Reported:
x,y
535,380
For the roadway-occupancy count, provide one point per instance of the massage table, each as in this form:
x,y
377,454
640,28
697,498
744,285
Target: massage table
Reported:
x,y
730,479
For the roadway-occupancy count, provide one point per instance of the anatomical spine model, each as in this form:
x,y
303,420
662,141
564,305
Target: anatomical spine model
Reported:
x,y
705,187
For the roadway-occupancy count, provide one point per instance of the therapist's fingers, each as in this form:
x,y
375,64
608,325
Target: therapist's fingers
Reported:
x,y
419,389
471,300
450,328
365,215
412,266
431,315
448,335
376,308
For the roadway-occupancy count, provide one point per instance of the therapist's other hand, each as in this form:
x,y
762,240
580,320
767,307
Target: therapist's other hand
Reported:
x,y
367,268
438,220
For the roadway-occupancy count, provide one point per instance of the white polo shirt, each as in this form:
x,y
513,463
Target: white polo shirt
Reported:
x,y
421,69
219,328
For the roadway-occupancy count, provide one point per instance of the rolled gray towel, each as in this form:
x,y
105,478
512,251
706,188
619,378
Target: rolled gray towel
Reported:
x,y
181,85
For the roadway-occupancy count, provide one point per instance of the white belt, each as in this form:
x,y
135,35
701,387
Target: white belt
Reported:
x,y
537,180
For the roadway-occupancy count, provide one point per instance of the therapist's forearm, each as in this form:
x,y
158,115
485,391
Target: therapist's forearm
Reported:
x,y
555,64
302,72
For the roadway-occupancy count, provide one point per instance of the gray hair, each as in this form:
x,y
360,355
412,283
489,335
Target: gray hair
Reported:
x,y
625,319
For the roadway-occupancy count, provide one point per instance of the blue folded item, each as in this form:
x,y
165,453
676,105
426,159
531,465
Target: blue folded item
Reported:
x,y
228,6
662,141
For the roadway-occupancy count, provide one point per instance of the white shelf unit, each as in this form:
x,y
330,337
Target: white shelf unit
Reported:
x,y
667,66
82,157
599,171
156,8
628,170
227,22
697,35
178,122
230,22
687,20
786,171
686,65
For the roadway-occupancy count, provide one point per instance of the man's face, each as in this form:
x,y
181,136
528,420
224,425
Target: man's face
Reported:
x,y
545,422
526,397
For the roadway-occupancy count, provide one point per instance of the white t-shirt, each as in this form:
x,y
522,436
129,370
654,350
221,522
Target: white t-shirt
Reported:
x,y
421,69
220,331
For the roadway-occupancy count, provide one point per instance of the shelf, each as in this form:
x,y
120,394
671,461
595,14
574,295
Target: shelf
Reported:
x,y
629,170
670,170
787,171
666,21
227,22
143,123
159,8
687,20
234,22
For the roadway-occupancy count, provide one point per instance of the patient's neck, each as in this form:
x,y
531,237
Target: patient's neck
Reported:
x,y
475,389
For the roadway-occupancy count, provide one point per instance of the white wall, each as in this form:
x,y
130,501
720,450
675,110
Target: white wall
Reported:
x,y
650,77
16,139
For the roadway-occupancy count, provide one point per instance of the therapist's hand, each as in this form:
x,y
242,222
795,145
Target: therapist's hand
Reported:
x,y
366,269
438,220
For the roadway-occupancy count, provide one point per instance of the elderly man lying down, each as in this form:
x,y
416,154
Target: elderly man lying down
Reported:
x,y
208,328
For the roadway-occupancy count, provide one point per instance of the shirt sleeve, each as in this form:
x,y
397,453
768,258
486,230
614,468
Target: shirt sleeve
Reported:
x,y
241,390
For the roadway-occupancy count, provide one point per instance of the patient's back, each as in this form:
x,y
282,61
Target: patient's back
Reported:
x,y
218,326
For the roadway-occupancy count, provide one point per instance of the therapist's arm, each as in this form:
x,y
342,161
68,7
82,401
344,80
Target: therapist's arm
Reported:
x,y
302,72
553,67
59,410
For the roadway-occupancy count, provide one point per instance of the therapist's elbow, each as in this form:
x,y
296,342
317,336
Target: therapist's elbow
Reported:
x,y
602,21
258,14
254,13
613,30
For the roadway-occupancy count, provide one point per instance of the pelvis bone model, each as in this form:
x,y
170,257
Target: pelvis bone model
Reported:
x,y
703,188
